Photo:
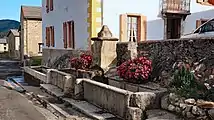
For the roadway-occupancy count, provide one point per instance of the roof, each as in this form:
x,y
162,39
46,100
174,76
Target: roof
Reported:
x,y
32,12
14,32
3,40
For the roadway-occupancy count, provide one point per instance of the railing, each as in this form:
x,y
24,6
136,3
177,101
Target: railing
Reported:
x,y
175,6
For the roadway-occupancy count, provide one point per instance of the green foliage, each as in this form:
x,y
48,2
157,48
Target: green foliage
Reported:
x,y
36,61
185,85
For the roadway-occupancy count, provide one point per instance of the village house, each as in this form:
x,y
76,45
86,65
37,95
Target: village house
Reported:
x,y
13,40
191,22
70,24
3,45
31,31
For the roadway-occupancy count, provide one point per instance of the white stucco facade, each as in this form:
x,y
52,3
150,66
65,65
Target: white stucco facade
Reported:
x,y
156,27
77,10
66,10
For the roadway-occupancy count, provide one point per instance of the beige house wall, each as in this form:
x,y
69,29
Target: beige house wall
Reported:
x,y
13,46
31,36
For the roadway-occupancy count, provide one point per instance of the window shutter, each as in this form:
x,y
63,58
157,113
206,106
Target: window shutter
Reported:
x,y
69,34
123,27
47,6
65,34
47,37
143,28
52,37
139,25
51,5
72,35
198,23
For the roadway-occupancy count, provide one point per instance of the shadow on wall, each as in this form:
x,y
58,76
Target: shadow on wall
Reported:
x,y
155,29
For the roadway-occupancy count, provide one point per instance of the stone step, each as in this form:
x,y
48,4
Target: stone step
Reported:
x,y
90,110
158,114
52,90
82,106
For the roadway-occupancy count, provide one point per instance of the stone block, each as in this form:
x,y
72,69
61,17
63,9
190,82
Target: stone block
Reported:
x,y
165,102
142,100
112,99
69,85
78,89
133,113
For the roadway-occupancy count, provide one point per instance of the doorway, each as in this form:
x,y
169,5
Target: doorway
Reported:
x,y
173,28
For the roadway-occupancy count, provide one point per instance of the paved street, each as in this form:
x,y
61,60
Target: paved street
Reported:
x,y
13,106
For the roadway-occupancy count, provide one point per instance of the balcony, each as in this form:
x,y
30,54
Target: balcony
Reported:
x,y
174,7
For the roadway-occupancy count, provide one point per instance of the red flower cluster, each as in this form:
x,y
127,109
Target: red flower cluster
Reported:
x,y
83,62
136,69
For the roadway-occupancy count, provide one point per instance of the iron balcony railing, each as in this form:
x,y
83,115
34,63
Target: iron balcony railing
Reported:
x,y
175,6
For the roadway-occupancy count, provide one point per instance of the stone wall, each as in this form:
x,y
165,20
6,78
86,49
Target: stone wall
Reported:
x,y
36,74
58,58
164,53
33,36
113,99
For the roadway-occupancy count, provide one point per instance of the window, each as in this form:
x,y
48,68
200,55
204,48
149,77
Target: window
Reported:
x,y
200,22
133,27
40,47
5,44
50,40
49,5
5,48
68,34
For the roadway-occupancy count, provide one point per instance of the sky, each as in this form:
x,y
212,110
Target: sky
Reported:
x,y
10,9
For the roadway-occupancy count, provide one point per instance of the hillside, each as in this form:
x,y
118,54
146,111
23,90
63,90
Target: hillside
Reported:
x,y
6,25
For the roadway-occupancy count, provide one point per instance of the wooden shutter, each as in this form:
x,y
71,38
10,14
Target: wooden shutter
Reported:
x,y
65,34
143,28
123,27
198,23
51,5
139,30
47,37
71,34
52,37
47,5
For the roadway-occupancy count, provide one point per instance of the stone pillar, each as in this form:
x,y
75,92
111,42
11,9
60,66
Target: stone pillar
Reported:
x,y
132,47
104,48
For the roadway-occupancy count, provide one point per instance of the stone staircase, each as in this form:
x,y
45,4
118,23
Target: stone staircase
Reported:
x,y
83,106
97,113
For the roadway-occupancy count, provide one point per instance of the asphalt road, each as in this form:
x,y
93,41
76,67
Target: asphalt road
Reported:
x,y
13,106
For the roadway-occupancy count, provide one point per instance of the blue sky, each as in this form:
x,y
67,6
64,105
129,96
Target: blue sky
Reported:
x,y
10,9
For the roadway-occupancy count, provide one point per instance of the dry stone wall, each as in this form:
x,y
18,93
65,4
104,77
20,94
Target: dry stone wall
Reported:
x,y
164,53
